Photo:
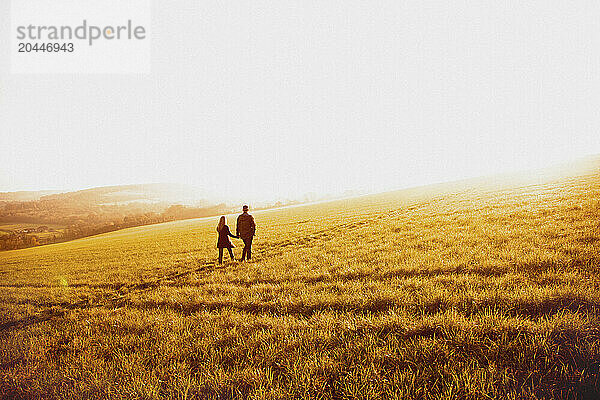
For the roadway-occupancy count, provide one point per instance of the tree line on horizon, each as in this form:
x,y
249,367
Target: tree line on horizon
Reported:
x,y
79,223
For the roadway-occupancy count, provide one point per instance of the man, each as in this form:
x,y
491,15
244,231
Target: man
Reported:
x,y
245,229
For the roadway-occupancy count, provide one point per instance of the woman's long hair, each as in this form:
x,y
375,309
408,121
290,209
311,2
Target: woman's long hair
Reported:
x,y
222,223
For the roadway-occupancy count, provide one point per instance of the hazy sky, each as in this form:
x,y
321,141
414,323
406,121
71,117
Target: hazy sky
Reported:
x,y
262,99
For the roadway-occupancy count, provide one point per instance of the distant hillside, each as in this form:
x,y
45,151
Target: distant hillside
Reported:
x,y
156,193
25,195
102,203
50,217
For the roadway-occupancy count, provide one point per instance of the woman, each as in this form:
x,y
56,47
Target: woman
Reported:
x,y
224,241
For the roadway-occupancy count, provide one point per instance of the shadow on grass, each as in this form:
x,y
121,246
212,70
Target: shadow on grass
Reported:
x,y
526,308
531,270
274,309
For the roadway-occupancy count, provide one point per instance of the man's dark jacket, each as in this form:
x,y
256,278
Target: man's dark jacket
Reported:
x,y
245,226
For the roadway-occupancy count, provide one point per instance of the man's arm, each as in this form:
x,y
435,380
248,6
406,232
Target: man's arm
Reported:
x,y
237,226
252,225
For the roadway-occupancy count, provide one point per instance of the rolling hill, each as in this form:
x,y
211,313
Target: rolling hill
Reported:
x,y
455,291
25,195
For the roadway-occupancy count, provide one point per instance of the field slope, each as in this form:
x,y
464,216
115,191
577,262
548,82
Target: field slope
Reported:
x,y
420,294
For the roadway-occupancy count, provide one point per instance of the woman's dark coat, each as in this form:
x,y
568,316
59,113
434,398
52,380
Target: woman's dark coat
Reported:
x,y
224,238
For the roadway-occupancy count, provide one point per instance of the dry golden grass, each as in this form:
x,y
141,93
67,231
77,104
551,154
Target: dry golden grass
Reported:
x,y
414,295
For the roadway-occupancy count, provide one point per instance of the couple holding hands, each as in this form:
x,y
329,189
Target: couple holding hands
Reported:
x,y
245,229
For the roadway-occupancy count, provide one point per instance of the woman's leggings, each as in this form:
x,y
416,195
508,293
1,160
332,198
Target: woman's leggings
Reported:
x,y
221,254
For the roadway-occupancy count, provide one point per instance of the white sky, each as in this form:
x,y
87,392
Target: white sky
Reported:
x,y
268,99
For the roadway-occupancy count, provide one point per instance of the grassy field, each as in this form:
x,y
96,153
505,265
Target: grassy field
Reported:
x,y
420,294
